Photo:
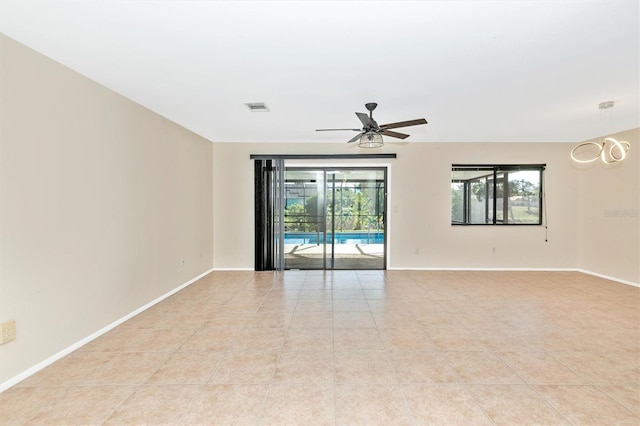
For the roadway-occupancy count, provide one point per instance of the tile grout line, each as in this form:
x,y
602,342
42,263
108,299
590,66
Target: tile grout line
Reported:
x,y
271,383
469,383
333,364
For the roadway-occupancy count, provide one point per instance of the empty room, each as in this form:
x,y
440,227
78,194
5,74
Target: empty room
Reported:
x,y
319,212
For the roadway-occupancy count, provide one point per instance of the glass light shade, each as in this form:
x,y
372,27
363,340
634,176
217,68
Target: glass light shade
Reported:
x,y
371,140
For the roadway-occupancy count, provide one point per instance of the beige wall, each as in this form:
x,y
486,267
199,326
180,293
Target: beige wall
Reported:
x,y
609,205
593,220
100,199
419,206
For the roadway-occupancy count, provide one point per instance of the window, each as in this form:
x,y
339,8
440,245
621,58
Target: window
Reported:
x,y
496,194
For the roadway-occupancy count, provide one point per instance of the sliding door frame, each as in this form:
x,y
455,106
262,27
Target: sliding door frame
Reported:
x,y
269,201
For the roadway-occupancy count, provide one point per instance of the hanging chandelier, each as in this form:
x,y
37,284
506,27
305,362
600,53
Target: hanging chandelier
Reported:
x,y
609,150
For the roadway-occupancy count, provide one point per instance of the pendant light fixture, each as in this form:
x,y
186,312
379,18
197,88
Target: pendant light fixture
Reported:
x,y
609,150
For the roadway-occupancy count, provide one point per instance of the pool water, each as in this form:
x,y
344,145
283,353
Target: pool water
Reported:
x,y
340,238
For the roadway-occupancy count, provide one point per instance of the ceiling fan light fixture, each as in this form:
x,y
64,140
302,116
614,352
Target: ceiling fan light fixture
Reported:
x,y
371,134
370,139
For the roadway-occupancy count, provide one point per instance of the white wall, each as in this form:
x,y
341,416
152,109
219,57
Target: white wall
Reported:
x,y
420,206
100,199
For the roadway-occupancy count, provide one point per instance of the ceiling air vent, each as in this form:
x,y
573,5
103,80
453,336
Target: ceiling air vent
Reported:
x,y
257,106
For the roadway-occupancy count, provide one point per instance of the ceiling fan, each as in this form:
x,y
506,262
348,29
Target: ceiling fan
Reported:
x,y
370,136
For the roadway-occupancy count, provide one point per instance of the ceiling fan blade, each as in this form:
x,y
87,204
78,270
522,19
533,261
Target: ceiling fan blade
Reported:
x,y
333,130
366,121
404,123
356,137
394,134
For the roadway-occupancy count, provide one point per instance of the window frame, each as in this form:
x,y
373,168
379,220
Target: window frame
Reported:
x,y
496,180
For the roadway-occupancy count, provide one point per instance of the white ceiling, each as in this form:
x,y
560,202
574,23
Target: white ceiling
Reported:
x,y
477,70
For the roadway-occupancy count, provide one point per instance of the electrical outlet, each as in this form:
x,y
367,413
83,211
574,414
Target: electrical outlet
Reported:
x,y
7,331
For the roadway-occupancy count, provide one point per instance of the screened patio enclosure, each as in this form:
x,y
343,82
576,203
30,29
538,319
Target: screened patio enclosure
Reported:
x,y
497,194
330,215
334,218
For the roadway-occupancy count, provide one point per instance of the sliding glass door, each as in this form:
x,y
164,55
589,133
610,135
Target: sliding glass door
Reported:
x,y
334,218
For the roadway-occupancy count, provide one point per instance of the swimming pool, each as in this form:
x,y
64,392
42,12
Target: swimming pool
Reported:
x,y
340,238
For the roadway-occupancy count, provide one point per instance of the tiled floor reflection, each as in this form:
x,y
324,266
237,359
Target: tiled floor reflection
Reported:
x,y
357,348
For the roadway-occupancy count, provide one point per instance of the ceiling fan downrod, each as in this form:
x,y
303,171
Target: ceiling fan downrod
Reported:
x,y
371,106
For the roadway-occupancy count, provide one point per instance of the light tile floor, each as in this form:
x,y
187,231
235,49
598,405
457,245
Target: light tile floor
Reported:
x,y
357,348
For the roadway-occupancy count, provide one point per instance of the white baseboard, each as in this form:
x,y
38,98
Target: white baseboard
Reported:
x,y
486,269
233,269
608,277
31,371
584,271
